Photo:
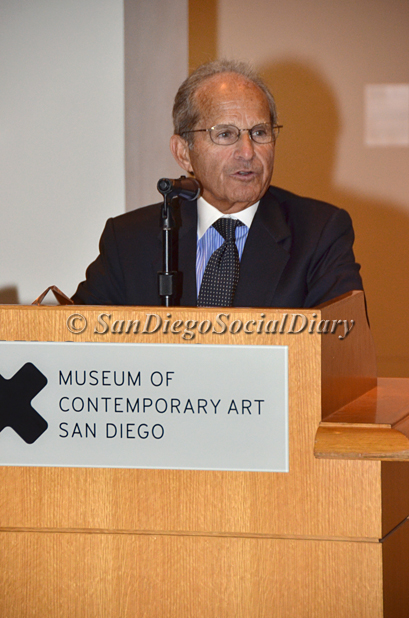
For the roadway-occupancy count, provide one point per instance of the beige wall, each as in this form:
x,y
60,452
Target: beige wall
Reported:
x,y
156,62
317,57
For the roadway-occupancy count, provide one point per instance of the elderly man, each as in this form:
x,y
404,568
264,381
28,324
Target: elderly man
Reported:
x,y
244,243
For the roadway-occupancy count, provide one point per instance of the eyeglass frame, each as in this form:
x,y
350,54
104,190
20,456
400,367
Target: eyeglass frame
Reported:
x,y
240,131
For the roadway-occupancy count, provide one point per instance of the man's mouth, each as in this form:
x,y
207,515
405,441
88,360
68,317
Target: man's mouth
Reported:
x,y
244,173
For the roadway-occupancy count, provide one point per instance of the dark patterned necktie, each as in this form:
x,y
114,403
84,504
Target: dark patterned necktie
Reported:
x,y
221,275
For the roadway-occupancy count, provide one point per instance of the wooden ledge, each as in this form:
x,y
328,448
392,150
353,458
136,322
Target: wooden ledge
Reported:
x,y
373,426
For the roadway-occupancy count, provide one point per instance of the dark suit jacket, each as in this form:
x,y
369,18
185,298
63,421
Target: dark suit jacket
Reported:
x,y
298,254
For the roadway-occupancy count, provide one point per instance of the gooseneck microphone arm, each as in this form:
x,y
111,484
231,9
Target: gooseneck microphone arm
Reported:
x,y
188,189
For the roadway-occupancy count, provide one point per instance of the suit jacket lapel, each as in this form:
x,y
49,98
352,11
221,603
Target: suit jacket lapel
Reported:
x,y
264,257
187,252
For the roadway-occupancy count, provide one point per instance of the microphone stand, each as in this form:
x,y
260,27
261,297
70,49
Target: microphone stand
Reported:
x,y
167,279
188,189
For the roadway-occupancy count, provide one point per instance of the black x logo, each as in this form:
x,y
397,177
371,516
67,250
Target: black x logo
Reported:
x,y
16,410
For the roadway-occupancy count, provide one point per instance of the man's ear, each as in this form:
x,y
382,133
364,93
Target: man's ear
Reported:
x,y
181,152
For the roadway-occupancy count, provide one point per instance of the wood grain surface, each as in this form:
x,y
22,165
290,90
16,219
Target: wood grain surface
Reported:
x,y
316,498
373,426
128,576
319,541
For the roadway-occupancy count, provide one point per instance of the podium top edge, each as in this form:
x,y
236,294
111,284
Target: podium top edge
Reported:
x,y
152,308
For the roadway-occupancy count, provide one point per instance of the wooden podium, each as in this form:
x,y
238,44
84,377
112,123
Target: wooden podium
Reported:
x,y
328,539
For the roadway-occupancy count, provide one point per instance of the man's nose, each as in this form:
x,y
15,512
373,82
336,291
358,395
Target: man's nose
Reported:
x,y
245,145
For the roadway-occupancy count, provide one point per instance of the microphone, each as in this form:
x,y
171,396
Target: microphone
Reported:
x,y
186,188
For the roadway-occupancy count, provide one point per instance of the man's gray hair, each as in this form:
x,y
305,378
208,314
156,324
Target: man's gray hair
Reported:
x,y
186,113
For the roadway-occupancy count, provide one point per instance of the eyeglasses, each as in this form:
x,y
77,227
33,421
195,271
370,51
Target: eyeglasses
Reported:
x,y
228,134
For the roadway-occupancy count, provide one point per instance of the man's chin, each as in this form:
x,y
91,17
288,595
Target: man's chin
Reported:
x,y
246,197
238,198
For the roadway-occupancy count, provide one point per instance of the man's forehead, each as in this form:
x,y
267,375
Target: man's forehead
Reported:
x,y
226,91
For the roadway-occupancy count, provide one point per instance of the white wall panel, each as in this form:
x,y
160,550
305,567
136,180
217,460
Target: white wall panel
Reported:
x,y
61,139
63,103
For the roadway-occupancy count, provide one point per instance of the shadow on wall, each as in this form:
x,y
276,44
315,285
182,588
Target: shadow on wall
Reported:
x,y
9,295
305,164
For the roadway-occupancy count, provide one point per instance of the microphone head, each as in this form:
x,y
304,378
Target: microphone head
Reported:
x,y
164,185
186,188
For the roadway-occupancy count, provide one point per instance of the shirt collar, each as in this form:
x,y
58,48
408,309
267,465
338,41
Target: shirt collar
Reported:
x,y
208,214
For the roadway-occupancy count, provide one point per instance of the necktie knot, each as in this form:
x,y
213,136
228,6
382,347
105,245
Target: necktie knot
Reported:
x,y
227,227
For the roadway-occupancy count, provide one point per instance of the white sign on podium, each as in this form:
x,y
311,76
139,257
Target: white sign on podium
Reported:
x,y
195,407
